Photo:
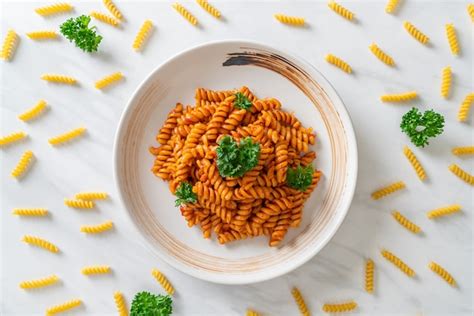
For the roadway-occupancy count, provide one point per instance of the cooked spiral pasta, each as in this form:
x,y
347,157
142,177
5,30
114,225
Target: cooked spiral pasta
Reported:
x,y
120,304
30,212
59,79
66,137
300,302
292,20
446,78
460,151
53,9
470,11
11,138
381,55
142,35
96,229
401,97
462,174
339,63
42,35
369,276
108,80
452,39
398,263
163,281
9,45
91,196
415,33
251,312
380,193
443,211
105,18
39,283
185,13
113,9
34,112
391,6
463,112
63,307
439,270
23,164
98,269
339,9
340,308
40,242
420,171
405,222
78,203
209,8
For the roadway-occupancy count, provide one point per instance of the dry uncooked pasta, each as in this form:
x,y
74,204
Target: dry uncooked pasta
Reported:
x,y
113,9
59,79
382,192
40,242
340,308
40,212
465,150
34,112
160,277
108,80
185,13
415,33
452,39
470,11
400,97
53,9
66,137
439,270
405,222
391,6
142,35
97,229
251,312
465,107
443,211
339,63
63,307
292,20
462,174
209,8
91,196
9,139
9,45
105,18
420,171
42,35
97,269
120,303
79,203
369,276
39,283
446,78
300,302
342,11
381,55
398,263
23,164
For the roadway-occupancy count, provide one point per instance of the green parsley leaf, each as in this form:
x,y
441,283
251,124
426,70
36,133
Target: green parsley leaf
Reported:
x,y
300,178
241,101
77,30
234,160
148,304
419,127
185,194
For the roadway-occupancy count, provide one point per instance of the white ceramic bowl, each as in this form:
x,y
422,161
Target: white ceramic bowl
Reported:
x,y
268,72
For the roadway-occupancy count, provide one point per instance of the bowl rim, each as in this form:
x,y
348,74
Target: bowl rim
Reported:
x,y
261,275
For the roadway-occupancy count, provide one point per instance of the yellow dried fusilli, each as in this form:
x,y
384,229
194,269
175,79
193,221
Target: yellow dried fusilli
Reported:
x,y
185,13
398,263
470,11
369,276
209,8
66,137
415,33
251,312
405,222
160,277
381,55
79,203
12,138
420,171
34,112
23,164
113,9
462,174
40,242
105,18
30,211
63,307
380,193
463,112
300,302
97,269
446,78
339,63
59,79
391,6
342,11
340,308
142,35
120,303
460,151
443,211
56,8
42,35
96,229
39,283
439,270
400,97
108,80
91,196
9,45
292,20
452,39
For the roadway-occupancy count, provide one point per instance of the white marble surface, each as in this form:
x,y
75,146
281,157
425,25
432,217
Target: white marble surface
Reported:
x,y
336,273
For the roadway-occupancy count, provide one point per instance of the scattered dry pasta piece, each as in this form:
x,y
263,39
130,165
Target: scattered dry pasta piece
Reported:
x,y
38,283
292,20
98,269
59,79
40,242
391,6
11,138
34,112
63,307
53,9
209,8
339,9
142,35
443,211
9,45
415,33
251,312
108,80
405,222
113,9
415,163
104,18
380,193
439,270
185,13
452,39
300,302
66,137
398,263
30,211
79,203
459,151
446,78
339,308
470,11
465,107
120,304
369,276
341,64
462,174
91,196
381,55
23,164
96,229
401,97
163,281
42,35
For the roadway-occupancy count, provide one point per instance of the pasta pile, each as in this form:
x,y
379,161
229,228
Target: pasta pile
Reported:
x,y
260,202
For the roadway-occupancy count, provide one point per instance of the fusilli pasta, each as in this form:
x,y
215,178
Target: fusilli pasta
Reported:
x,y
34,112
108,80
9,45
120,303
398,263
91,196
11,138
42,35
40,242
405,222
339,63
251,312
96,229
342,11
463,112
30,212
63,307
98,269
300,302
401,97
185,13
39,283
443,211
420,171
142,35
452,39
391,6
59,79
209,8
415,33
380,193
439,270
460,151
446,78
113,9
381,55
470,11
53,9
462,174
23,164
66,137
369,276
160,277
340,308
105,18
79,203
292,20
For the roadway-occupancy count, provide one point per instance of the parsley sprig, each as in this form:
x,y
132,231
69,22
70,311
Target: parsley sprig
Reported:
x,y
420,127
77,30
185,194
234,160
241,101
300,178
148,304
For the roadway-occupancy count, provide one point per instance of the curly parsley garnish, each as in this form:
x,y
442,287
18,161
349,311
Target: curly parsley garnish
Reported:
x,y
234,160
77,30
241,101
419,127
185,194
300,178
148,304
